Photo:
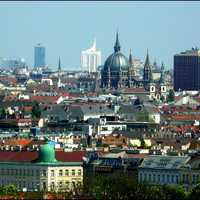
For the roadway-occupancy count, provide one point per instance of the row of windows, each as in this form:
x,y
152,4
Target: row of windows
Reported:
x,y
19,172
22,184
166,178
31,172
67,172
65,185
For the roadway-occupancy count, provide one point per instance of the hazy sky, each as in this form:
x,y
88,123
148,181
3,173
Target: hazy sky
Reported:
x,y
66,28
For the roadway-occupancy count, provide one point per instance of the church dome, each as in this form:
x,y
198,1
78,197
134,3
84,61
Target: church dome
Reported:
x,y
116,61
46,154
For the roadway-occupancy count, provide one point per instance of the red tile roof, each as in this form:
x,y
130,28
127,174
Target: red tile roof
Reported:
x,y
135,90
17,142
27,156
45,99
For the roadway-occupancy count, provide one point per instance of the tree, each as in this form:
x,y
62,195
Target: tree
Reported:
x,y
36,111
174,192
195,193
170,97
3,113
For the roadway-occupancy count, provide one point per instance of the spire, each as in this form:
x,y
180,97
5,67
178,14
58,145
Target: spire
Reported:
x,y
162,73
147,63
59,64
117,44
162,67
147,76
130,58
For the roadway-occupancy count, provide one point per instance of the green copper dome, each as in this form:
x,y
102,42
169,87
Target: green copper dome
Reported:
x,y
46,154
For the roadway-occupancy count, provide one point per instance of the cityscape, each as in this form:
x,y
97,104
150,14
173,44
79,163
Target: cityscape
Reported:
x,y
111,122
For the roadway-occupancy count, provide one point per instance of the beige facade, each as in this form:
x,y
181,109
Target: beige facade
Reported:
x,y
41,176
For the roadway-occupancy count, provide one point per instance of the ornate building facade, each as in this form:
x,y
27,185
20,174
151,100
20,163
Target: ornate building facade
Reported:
x,y
119,72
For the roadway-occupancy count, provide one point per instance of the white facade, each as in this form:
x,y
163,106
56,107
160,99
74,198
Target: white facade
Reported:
x,y
90,59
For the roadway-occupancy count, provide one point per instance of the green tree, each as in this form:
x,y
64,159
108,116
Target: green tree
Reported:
x,y
174,192
3,113
8,190
36,111
195,193
170,97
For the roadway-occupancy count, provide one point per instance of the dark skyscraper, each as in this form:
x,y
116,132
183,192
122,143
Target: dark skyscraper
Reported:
x,y
39,52
187,70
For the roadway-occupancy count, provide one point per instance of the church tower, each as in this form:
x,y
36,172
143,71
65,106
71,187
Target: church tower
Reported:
x,y
162,73
59,73
147,69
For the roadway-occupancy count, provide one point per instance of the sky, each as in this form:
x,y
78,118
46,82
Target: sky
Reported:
x,y
67,28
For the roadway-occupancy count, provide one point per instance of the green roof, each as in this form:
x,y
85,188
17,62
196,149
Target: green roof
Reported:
x,y
46,154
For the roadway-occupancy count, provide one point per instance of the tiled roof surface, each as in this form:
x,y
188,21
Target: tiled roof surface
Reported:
x,y
27,156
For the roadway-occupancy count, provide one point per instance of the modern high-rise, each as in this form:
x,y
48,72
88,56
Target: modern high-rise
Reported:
x,y
90,59
39,56
187,70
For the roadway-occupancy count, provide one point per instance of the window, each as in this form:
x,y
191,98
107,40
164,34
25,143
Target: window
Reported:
x,y
184,178
52,173
158,177
197,178
163,178
60,184
60,172
177,179
73,172
52,185
37,172
172,178
44,186
79,172
154,178
193,179
167,178
44,173
66,172
67,185
145,177
149,177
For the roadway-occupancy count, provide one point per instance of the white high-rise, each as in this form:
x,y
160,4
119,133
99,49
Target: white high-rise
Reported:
x,y
90,59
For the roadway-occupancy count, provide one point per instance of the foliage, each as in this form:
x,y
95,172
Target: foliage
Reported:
x,y
124,187
195,193
36,111
170,97
174,192
8,190
2,113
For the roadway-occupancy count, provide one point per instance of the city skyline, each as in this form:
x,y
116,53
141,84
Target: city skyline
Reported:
x,y
67,28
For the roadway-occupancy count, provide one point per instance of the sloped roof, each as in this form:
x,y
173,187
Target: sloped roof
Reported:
x,y
164,162
28,156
